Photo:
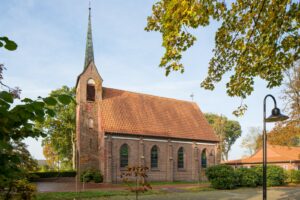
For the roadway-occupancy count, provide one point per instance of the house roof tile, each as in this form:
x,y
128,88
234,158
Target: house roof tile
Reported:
x,y
275,153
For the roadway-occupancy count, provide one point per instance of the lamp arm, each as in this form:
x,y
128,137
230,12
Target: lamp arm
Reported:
x,y
265,99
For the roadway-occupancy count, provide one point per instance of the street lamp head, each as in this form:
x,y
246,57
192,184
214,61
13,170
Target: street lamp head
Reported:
x,y
276,116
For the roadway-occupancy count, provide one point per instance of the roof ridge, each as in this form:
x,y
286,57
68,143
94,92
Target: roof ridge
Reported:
x,y
155,96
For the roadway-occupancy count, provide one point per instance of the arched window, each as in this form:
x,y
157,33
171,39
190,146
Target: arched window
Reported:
x,y
180,158
203,159
154,157
90,90
91,123
212,157
124,155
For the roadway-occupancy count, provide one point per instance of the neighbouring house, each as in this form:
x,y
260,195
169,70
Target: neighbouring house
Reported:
x,y
283,156
118,128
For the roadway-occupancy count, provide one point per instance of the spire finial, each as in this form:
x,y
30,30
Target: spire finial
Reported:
x,y
89,51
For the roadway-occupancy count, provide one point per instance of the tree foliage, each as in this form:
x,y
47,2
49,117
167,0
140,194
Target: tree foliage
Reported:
x,y
227,130
135,178
7,43
256,39
291,93
17,123
59,143
287,133
252,141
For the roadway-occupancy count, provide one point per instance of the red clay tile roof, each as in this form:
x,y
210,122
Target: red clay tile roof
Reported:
x,y
275,154
140,114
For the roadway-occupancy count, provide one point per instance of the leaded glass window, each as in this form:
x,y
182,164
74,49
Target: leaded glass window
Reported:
x,y
180,158
154,157
203,159
124,155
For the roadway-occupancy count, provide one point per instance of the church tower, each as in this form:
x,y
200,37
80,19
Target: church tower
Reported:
x,y
89,133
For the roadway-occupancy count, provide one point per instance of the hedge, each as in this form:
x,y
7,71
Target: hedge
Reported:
x,y
222,177
247,177
276,175
225,177
53,174
293,176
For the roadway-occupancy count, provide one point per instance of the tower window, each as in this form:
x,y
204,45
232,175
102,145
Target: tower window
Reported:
x,y
90,90
91,123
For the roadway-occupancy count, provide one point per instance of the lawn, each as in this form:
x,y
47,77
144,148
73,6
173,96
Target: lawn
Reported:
x,y
89,195
291,193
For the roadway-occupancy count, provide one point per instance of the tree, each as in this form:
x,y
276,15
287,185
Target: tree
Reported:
x,y
255,39
61,131
50,154
287,133
252,141
136,179
227,130
291,93
16,124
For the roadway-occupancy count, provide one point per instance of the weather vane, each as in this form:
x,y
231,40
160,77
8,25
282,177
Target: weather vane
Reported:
x,y
192,96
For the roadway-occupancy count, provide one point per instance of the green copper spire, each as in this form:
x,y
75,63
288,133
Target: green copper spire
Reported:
x,y
89,51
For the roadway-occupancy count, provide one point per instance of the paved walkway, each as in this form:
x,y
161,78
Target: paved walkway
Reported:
x,y
68,185
175,191
283,193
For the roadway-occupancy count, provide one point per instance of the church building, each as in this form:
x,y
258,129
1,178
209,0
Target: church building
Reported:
x,y
117,128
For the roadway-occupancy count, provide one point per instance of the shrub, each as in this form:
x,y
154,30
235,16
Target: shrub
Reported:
x,y
53,174
293,176
91,175
19,189
98,178
25,189
222,177
275,175
247,177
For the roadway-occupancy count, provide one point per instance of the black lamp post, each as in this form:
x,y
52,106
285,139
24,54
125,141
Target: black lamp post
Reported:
x,y
274,117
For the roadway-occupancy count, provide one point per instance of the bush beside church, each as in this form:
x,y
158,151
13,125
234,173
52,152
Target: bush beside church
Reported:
x,y
225,177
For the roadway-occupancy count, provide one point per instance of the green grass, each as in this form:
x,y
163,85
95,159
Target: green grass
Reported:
x,y
72,195
176,182
87,194
199,189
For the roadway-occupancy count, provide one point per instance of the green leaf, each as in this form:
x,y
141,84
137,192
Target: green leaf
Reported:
x,y
26,100
6,96
9,44
65,99
50,112
50,101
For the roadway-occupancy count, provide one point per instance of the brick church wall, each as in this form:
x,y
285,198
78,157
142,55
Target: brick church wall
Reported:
x,y
140,154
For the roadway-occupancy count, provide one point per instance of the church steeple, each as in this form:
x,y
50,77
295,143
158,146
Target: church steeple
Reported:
x,y
89,51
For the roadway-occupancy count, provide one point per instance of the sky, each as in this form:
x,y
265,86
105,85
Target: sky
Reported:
x,y
51,36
